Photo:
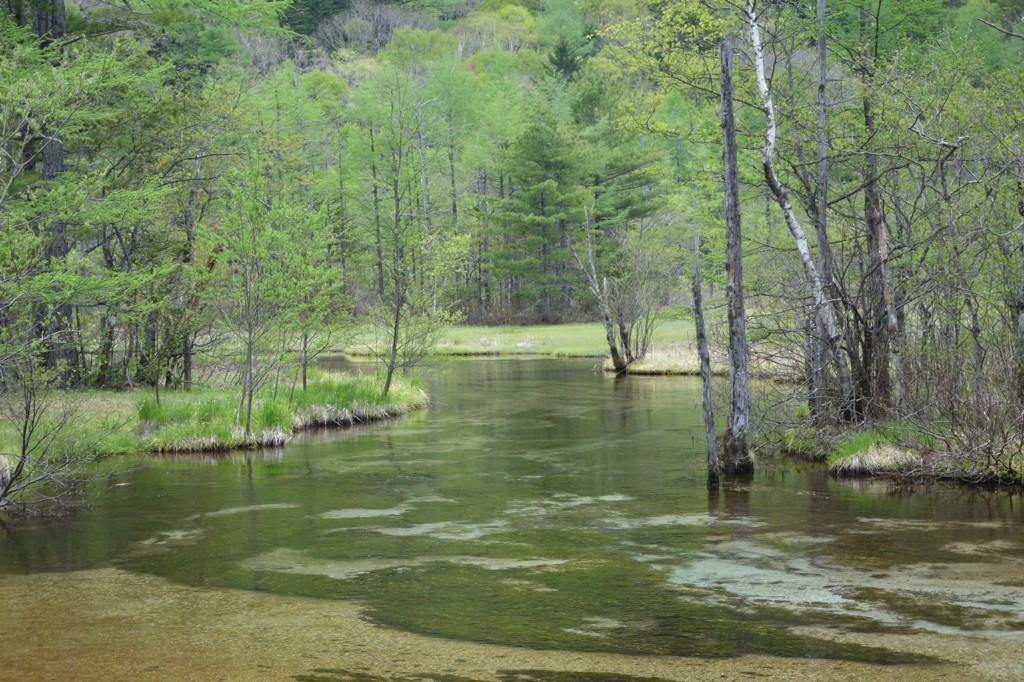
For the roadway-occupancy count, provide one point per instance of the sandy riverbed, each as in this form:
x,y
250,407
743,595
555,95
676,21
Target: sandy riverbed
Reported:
x,y
112,625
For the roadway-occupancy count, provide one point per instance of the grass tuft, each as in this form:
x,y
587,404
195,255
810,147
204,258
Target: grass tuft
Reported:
x,y
855,443
878,459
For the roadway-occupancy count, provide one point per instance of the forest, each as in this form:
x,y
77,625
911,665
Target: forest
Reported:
x,y
199,190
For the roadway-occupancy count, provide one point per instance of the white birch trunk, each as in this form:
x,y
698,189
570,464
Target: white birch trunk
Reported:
x,y
814,281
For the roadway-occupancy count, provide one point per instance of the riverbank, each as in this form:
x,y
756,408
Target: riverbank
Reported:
x,y
673,350
205,419
901,451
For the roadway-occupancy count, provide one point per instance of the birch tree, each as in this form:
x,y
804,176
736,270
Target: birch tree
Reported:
x,y
822,304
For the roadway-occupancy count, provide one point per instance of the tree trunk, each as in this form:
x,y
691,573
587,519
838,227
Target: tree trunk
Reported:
x,y
1019,312
821,300
619,364
705,368
561,269
305,358
248,387
105,377
49,20
879,293
736,454
393,352
819,347
376,217
422,149
1018,304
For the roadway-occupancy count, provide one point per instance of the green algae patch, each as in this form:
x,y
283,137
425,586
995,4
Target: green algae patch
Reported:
x,y
595,605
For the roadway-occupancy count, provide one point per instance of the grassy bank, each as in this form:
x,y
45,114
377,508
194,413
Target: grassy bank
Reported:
x,y
674,349
205,418
901,450
578,340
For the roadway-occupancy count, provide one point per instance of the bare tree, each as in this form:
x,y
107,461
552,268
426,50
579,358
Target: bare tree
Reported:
x,y
599,289
368,26
823,306
704,352
42,476
736,452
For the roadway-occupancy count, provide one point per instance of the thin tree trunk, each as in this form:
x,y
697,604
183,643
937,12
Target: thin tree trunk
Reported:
x,y
561,268
822,303
735,450
376,217
819,346
1018,304
248,383
705,367
393,352
879,302
454,186
305,358
619,364
980,380
422,149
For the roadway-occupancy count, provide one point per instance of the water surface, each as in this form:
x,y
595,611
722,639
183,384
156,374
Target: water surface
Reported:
x,y
542,505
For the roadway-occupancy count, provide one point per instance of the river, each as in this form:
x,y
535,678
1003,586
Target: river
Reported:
x,y
540,521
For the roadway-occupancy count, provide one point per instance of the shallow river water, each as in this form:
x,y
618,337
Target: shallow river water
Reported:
x,y
541,521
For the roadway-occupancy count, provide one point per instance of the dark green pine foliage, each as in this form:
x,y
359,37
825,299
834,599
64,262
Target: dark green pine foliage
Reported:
x,y
626,188
303,16
543,204
564,61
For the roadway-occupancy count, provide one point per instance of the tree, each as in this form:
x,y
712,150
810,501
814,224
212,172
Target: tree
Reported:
x,y
544,200
736,453
255,288
413,260
599,289
822,305
43,475
704,353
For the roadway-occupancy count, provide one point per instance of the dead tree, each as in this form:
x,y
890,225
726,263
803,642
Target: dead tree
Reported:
x,y
736,453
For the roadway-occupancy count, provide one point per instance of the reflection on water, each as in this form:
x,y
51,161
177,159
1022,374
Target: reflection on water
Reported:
x,y
540,504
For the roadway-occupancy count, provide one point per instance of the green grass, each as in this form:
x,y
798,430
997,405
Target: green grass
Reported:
x,y
673,352
579,340
854,443
210,419
207,419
